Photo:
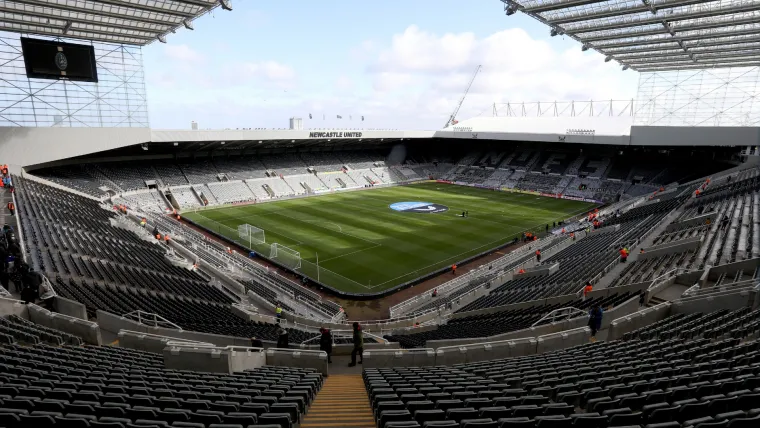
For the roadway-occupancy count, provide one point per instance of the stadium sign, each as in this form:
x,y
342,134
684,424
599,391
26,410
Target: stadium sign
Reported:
x,y
335,134
419,207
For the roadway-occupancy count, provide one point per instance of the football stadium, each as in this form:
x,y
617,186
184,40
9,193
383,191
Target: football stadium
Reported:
x,y
553,265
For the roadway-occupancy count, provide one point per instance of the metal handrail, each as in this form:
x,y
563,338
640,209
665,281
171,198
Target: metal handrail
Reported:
x,y
142,317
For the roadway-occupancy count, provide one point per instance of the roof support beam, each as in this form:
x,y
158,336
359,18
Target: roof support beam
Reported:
x,y
73,9
670,18
671,67
562,4
621,12
679,39
676,52
144,8
705,63
127,40
82,21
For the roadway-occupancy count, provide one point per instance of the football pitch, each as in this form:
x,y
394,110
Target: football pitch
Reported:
x,y
371,240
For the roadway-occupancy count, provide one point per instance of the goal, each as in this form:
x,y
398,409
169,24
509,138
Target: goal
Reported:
x,y
286,256
252,234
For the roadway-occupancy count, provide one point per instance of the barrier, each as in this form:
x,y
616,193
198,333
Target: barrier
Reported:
x,y
302,358
209,358
10,306
115,323
421,357
87,330
148,342
631,322
562,340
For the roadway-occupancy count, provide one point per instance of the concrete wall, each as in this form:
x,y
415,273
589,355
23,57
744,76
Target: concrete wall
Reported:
x,y
671,248
115,323
634,321
692,222
10,307
69,307
87,330
298,358
145,341
709,303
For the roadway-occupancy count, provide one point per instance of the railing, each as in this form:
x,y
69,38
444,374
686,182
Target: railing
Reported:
x,y
349,333
151,319
560,314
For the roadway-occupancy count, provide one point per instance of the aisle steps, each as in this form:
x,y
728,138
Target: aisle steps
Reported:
x,y
341,403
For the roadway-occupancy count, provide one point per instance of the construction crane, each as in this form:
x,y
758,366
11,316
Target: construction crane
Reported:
x,y
453,119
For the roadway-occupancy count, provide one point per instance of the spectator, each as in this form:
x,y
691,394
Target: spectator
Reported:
x,y
587,289
538,255
435,292
256,343
11,207
642,299
595,321
358,345
623,255
278,312
282,339
46,293
326,343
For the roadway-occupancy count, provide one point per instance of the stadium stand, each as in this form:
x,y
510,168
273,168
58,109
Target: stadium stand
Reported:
x,y
44,385
658,383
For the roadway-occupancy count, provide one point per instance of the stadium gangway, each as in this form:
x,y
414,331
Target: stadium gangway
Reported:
x,y
150,319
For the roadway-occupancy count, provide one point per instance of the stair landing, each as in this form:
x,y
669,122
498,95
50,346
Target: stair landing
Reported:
x,y
341,403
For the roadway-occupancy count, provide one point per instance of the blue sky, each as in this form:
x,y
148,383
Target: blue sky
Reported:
x,y
399,64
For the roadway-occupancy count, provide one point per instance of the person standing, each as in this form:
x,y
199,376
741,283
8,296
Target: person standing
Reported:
x,y
538,255
358,345
278,312
326,343
256,343
595,321
282,338
11,207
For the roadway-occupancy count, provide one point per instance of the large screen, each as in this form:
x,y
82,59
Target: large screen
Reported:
x,y
49,59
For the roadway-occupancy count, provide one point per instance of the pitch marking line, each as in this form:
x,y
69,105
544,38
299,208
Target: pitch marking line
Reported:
x,y
352,252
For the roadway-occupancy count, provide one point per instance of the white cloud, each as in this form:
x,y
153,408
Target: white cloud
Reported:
x,y
413,80
271,70
431,71
182,53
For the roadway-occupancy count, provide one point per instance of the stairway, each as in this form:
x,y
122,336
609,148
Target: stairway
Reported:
x,y
342,402
654,301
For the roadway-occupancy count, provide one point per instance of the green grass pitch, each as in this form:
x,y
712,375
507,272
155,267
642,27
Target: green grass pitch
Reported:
x,y
364,246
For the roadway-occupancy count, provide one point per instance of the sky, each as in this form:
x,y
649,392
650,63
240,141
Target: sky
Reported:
x,y
399,64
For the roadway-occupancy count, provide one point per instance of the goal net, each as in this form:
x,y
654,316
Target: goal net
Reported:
x,y
285,256
252,234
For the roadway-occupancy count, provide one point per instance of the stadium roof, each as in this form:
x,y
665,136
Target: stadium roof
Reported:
x,y
129,22
656,35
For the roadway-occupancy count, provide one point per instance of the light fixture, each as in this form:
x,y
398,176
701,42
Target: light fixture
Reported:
x,y
161,38
188,24
608,58
67,27
225,4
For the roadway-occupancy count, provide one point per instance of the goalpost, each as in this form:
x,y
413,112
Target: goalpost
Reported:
x,y
286,256
252,234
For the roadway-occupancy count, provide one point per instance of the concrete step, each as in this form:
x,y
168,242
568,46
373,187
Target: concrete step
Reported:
x,y
341,403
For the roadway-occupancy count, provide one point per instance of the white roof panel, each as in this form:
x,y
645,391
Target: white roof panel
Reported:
x,y
677,30
132,22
